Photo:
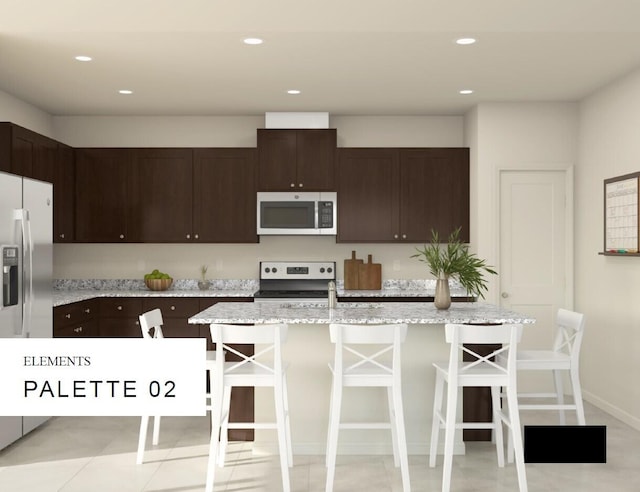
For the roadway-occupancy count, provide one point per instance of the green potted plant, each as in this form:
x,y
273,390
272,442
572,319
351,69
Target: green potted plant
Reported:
x,y
203,283
453,260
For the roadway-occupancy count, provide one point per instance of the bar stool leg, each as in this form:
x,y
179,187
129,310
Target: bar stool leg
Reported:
x,y
398,417
435,424
577,395
449,434
224,426
332,449
497,421
557,381
142,438
281,424
394,429
514,419
216,416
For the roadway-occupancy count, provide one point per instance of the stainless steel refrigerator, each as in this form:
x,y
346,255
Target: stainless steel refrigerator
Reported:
x,y
26,310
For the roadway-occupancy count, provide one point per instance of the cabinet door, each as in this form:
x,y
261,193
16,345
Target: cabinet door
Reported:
x,y
225,195
434,193
161,202
316,151
32,155
63,195
368,195
102,195
296,159
277,157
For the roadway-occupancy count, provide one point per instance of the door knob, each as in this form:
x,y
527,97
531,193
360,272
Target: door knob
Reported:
x,y
505,295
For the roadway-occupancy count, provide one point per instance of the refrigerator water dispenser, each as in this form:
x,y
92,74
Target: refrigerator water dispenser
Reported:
x,y
9,275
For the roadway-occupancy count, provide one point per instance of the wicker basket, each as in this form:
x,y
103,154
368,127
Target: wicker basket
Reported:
x,y
158,283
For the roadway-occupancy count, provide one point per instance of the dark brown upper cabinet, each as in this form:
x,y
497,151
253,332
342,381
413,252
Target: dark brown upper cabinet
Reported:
x,y
296,159
392,195
161,201
27,153
64,195
224,207
368,189
102,208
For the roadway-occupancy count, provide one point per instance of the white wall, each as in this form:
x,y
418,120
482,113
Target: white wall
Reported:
x,y
525,136
607,288
24,114
238,261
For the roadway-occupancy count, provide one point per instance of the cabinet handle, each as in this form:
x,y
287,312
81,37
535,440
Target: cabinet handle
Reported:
x,y
62,236
137,323
119,308
195,236
188,236
78,329
68,315
173,308
300,185
293,185
121,236
395,236
404,236
88,310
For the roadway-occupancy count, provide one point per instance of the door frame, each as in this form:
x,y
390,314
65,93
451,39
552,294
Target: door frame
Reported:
x,y
568,172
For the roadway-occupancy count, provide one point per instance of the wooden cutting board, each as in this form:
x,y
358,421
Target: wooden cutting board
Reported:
x,y
351,272
370,275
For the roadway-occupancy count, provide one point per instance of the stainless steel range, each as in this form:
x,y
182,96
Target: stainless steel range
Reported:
x,y
295,281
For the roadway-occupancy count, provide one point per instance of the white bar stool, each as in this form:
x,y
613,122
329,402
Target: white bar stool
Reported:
x,y
250,370
563,358
369,371
482,371
151,326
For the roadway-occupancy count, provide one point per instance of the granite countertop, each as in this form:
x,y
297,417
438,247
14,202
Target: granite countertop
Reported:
x,y
74,290
70,291
357,313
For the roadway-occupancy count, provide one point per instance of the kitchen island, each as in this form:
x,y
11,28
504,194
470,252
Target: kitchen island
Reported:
x,y
308,351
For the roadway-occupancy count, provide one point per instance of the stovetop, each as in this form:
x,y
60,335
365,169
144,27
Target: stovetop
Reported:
x,y
295,279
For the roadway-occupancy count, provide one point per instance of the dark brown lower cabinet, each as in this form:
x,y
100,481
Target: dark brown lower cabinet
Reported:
x,y
476,402
118,317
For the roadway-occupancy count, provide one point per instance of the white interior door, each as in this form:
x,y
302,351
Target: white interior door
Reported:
x,y
536,244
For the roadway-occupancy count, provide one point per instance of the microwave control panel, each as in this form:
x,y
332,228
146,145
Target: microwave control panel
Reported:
x,y
325,215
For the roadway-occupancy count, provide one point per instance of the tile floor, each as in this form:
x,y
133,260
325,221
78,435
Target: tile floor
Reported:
x,y
96,454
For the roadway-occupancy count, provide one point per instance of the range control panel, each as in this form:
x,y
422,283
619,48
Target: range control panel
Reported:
x,y
287,270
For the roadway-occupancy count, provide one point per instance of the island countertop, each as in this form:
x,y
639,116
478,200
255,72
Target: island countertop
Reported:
x,y
357,313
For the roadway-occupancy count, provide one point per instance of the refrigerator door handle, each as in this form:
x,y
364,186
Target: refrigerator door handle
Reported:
x,y
22,216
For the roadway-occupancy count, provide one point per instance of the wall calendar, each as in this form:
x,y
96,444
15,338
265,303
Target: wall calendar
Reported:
x,y
621,215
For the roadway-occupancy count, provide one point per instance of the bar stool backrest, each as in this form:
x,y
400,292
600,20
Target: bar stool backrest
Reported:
x,y
500,362
569,333
386,338
151,324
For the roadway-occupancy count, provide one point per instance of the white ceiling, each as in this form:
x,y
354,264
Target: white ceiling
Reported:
x,y
383,57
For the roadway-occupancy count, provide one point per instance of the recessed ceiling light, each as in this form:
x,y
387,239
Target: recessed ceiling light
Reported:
x,y
125,91
253,41
465,41
83,58
466,91
293,91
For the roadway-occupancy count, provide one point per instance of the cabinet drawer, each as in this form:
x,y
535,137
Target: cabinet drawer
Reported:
x,y
86,329
77,312
171,307
120,307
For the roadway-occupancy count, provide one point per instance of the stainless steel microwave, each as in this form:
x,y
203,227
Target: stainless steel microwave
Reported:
x,y
297,213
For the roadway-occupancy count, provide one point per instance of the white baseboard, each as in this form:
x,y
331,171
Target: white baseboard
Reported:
x,y
620,414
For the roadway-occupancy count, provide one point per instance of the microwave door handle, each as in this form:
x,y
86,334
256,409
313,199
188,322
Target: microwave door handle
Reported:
x,y
316,211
